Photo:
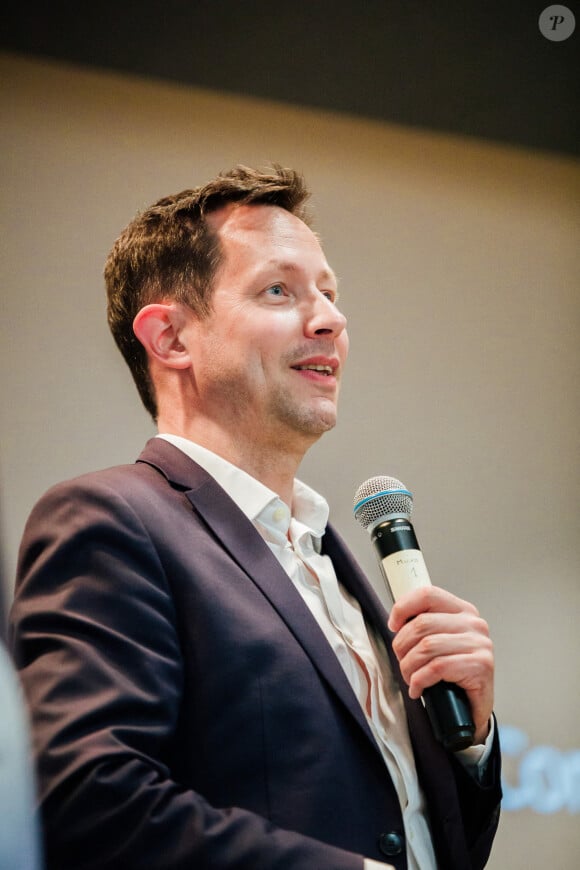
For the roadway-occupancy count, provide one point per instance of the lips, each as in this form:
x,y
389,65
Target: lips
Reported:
x,y
325,370
322,366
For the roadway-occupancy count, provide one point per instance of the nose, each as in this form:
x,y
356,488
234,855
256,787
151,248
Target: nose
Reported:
x,y
324,318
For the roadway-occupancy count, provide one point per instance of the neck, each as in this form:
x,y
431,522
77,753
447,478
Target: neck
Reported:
x,y
274,463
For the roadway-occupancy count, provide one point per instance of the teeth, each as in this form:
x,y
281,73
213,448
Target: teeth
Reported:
x,y
326,369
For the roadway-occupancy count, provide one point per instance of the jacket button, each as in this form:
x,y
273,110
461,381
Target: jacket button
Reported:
x,y
391,844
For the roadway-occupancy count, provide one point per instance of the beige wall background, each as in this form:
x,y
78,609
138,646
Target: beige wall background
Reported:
x,y
458,262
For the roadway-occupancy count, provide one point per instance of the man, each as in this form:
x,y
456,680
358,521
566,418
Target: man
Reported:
x,y
211,679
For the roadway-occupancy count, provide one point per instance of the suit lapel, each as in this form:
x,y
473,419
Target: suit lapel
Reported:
x,y
236,534
432,761
351,576
355,582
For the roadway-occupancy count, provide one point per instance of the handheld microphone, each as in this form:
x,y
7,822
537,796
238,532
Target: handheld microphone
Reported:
x,y
383,506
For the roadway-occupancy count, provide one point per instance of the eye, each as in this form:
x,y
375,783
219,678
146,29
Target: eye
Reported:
x,y
331,295
276,290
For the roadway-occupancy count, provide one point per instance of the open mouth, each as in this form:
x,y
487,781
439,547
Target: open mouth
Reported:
x,y
320,369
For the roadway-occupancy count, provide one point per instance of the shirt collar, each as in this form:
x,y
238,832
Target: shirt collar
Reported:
x,y
254,499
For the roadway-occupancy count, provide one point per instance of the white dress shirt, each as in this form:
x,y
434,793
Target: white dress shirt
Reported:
x,y
294,537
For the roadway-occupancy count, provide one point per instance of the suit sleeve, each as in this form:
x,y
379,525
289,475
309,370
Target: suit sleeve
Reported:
x,y
95,640
479,800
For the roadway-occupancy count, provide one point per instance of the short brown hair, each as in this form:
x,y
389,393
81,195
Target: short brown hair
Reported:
x,y
170,252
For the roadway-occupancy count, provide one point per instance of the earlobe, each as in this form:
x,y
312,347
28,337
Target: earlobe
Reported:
x,y
157,326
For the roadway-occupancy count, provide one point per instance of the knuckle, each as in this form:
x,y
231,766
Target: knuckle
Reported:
x,y
481,625
424,596
428,646
485,647
437,669
421,624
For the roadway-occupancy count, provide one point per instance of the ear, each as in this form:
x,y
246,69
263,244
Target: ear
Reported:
x,y
158,326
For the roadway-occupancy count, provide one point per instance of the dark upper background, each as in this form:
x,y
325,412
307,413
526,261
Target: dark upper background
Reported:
x,y
475,68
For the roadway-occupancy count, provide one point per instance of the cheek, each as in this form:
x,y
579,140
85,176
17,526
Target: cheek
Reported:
x,y
276,344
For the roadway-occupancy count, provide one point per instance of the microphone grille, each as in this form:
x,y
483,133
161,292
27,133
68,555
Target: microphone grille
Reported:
x,y
380,497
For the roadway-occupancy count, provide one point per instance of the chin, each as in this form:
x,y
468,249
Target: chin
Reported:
x,y
318,424
327,423
311,421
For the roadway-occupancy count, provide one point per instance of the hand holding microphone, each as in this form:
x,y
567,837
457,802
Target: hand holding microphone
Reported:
x,y
449,644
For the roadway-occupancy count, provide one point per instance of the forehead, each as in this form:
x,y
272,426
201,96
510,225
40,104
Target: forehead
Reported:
x,y
264,232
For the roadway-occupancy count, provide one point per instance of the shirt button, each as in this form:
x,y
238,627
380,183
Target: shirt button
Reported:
x,y
391,844
279,514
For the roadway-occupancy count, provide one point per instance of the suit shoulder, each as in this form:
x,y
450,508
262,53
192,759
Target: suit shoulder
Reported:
x,y
117,478
130,484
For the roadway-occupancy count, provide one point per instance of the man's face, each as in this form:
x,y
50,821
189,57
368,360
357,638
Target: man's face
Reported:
x,y
268,359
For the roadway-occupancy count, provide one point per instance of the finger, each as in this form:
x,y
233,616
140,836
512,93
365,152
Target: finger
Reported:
x,y
473,672
430,599
476,681
424,628
465,652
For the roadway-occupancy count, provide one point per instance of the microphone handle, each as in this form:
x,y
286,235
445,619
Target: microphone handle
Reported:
x,y
404,569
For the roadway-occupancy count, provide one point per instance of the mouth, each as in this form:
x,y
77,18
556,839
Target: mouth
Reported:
x,y
318,367
325,370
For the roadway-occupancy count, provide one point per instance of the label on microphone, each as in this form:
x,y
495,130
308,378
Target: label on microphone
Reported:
x,y
405,571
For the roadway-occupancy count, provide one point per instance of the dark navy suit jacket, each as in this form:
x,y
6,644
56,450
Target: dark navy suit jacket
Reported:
x,y
186,708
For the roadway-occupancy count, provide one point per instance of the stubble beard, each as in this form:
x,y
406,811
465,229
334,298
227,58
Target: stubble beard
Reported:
x,y
281,414
311,420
